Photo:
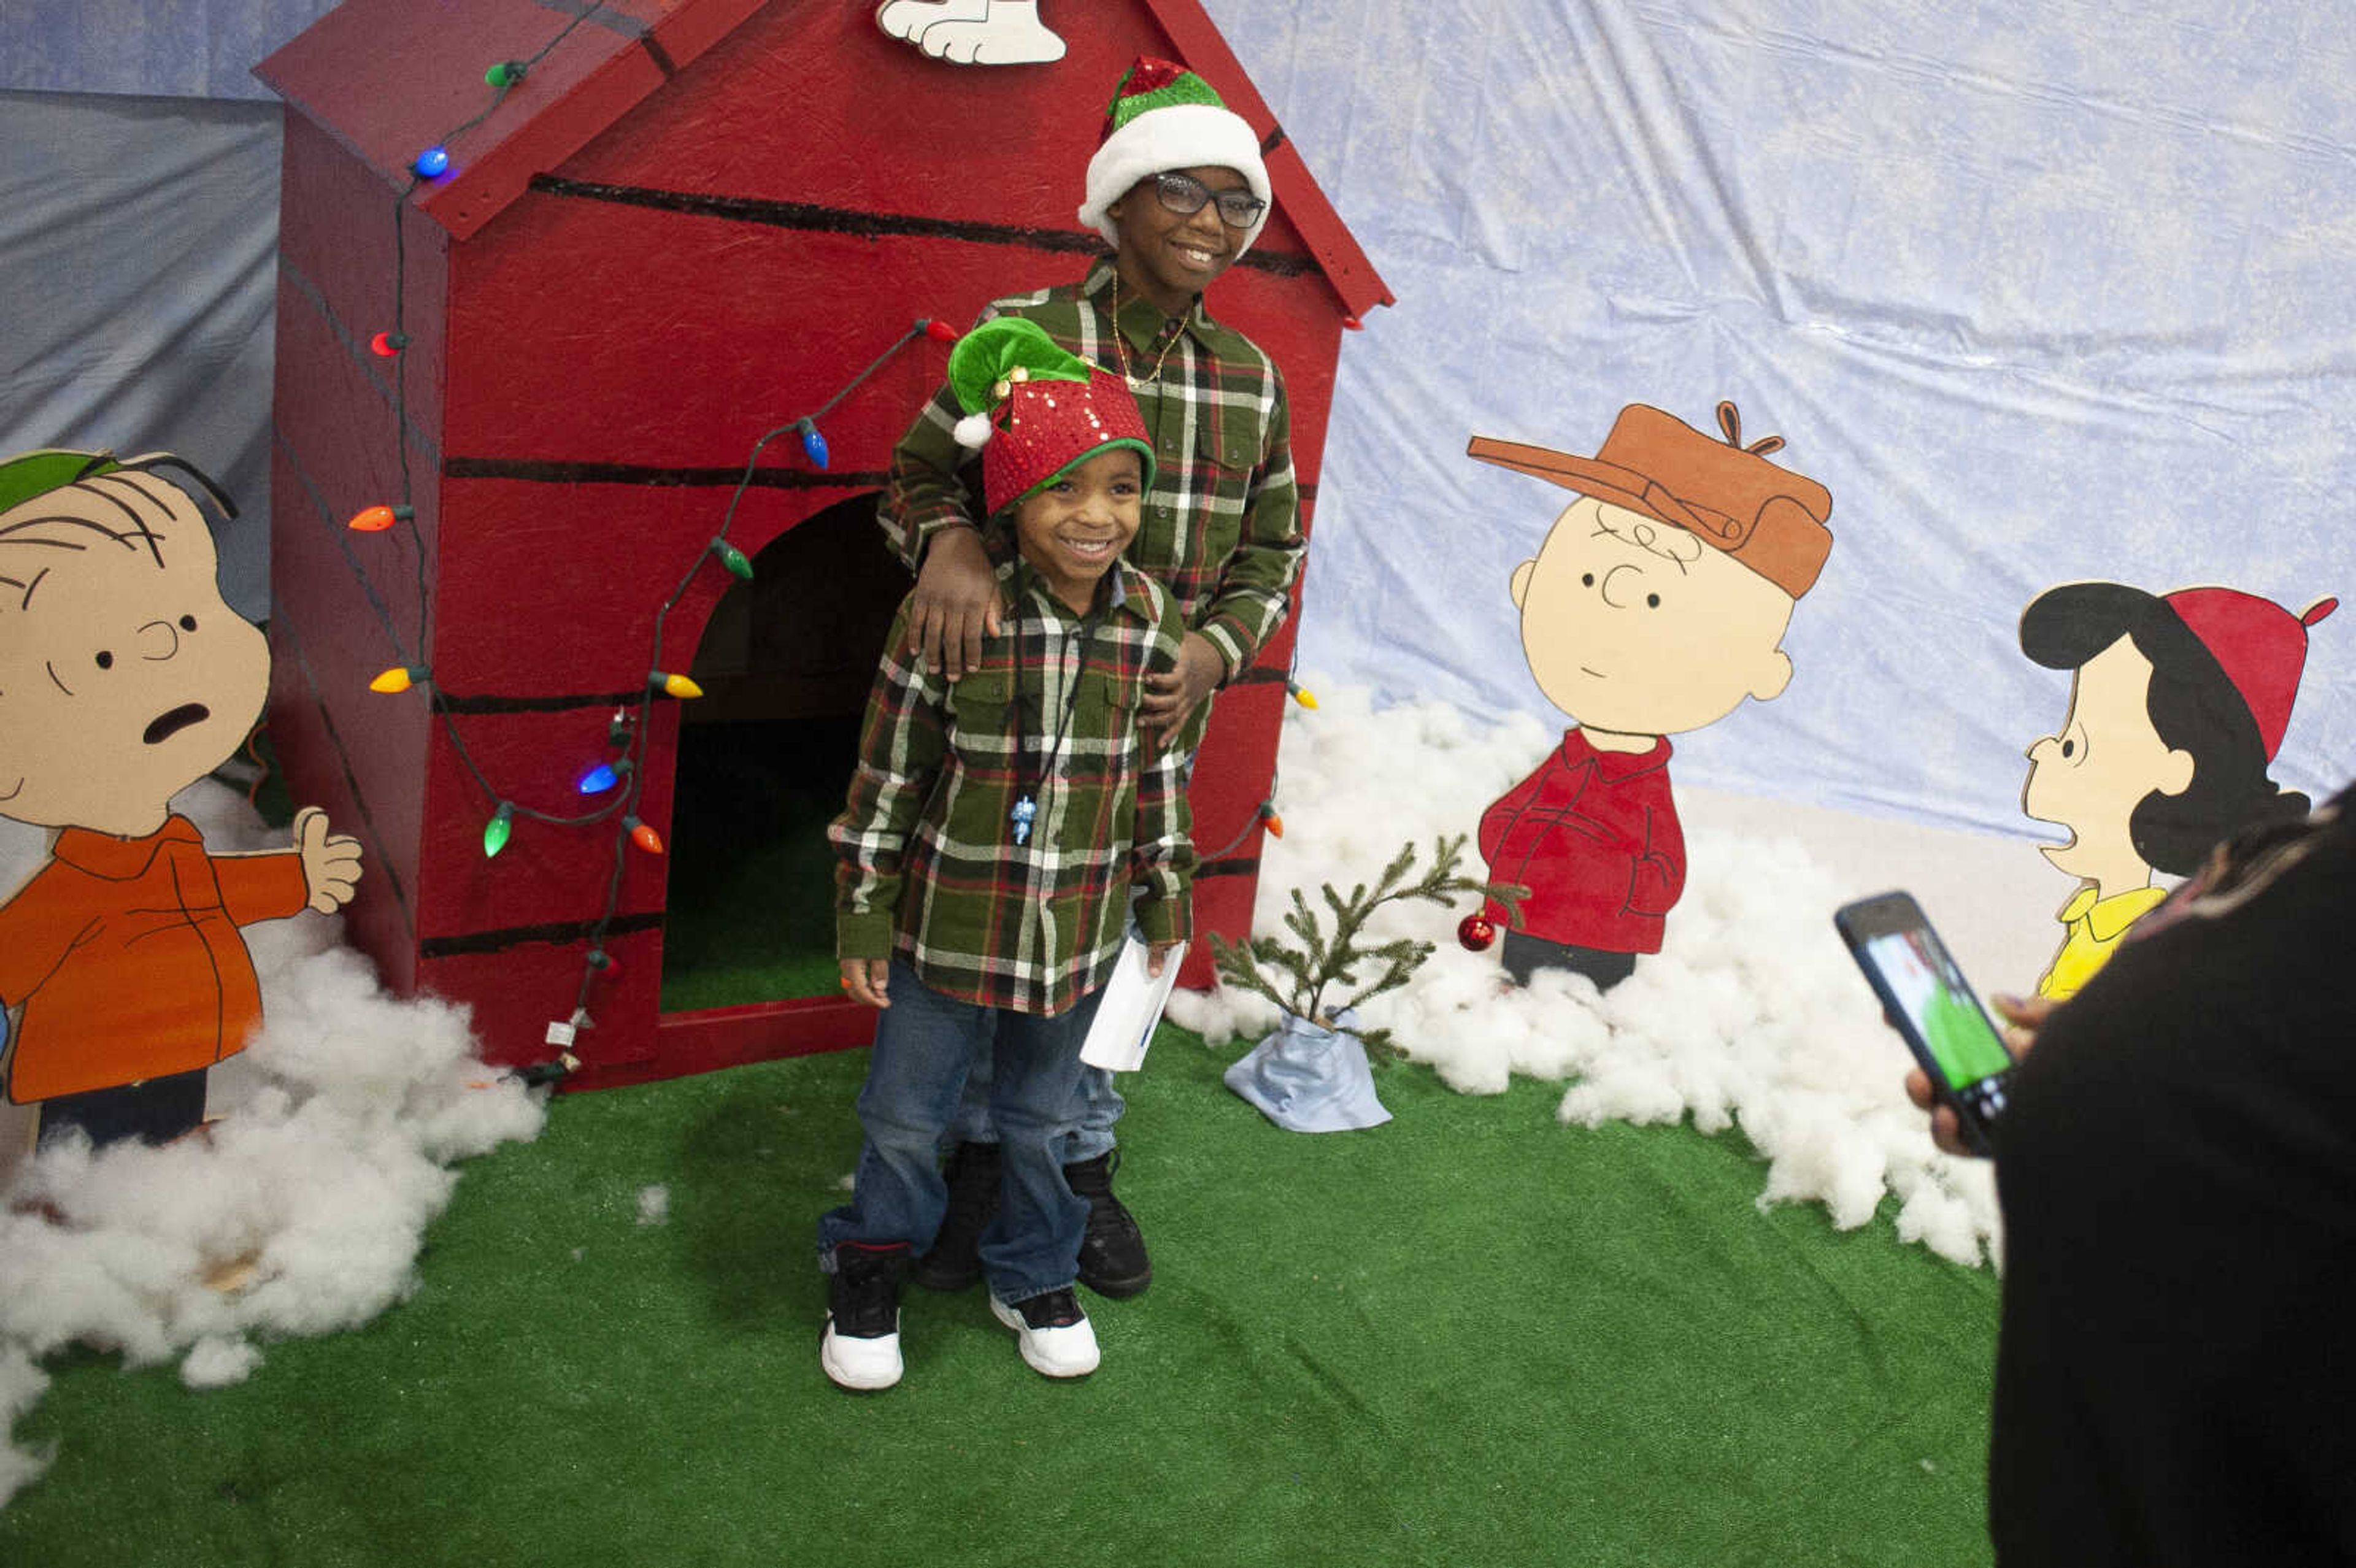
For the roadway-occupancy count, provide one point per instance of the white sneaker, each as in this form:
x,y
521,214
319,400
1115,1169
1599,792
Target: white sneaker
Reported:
x,y
861,1348
1052,1332
865,1364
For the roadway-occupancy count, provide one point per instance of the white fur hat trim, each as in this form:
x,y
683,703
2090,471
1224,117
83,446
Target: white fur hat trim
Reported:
x,y
1181,137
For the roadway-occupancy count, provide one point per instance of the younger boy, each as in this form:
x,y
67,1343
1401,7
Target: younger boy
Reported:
x,y
988,852
1178,189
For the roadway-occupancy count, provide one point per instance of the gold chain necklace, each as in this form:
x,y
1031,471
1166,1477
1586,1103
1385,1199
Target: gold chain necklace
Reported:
x,y
1120,345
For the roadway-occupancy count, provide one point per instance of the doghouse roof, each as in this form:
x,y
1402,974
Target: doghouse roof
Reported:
x,y
384,78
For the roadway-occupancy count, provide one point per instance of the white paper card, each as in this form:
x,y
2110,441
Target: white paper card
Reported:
x,y
1131,1007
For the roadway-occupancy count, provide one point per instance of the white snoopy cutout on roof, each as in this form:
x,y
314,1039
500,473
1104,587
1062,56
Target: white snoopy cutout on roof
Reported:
x,y
972,32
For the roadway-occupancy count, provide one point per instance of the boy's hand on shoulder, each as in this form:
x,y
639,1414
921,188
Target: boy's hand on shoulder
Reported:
x,y
955,602
864,980
1172,695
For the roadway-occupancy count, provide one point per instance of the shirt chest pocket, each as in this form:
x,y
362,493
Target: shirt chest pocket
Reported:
x,y
1114,699
1225,452
981,720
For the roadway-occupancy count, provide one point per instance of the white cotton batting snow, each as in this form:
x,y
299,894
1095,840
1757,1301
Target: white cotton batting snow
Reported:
x,y
1752,1014
21,1386
654,1205
300,1212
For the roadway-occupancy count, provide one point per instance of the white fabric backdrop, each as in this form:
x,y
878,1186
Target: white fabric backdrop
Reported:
x,y
2041,290
138,278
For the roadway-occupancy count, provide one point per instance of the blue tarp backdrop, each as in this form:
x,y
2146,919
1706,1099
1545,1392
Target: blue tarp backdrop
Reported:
x,y
2040,290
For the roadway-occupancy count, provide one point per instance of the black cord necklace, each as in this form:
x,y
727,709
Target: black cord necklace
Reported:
x,y
1026,806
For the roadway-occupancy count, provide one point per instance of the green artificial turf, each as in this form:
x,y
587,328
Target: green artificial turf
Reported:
x,y
1471,1336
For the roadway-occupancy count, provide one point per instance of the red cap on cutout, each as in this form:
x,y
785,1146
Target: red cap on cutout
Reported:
x,y
2261,647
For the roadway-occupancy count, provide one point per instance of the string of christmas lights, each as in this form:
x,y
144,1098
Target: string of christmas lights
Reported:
x,y
1265,813
620,768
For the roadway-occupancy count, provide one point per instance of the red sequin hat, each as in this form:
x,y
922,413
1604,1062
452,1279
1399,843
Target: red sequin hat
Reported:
x,y
1035,410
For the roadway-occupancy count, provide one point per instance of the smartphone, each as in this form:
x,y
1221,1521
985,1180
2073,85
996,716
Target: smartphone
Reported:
x,y
1927,999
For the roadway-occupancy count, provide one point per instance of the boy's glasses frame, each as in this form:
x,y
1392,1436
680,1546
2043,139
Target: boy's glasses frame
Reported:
x,y
1185,194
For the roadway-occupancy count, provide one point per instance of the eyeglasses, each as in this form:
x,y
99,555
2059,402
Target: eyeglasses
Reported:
x,y
1185,194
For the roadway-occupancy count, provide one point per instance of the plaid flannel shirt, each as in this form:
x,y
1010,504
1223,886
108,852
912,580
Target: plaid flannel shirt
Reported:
x,y
1221,527
927,866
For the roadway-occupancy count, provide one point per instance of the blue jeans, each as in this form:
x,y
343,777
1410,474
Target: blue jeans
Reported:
x,y
1093,1107
925,1043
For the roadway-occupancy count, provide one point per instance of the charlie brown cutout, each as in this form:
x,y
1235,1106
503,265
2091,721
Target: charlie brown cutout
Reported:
x,y
125,677
2178,704
1656,604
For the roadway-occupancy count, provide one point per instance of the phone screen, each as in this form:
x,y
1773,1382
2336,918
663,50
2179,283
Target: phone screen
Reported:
x,y
1929,989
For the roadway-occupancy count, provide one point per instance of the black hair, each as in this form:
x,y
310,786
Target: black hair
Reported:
x,y
2193,707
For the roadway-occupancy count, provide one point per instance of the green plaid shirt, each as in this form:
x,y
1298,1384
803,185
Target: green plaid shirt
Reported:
x,y
927,869
1221,526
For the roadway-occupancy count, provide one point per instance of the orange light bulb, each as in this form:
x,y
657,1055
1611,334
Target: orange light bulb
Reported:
x,y
376,520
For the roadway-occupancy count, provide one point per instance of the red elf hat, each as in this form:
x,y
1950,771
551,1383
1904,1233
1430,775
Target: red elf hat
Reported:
x,y
1035,409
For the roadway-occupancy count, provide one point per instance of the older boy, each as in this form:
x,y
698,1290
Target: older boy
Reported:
x,y
1657,604
1179,192
999,833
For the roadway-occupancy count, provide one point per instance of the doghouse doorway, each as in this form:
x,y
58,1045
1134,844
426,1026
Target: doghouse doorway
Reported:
x,y
765,755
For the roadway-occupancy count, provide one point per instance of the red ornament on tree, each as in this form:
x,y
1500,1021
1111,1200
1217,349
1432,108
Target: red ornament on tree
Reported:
x,y
1475,931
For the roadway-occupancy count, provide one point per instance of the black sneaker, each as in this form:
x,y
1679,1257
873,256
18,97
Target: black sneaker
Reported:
x,y
954,1261
861,1347
1112,1249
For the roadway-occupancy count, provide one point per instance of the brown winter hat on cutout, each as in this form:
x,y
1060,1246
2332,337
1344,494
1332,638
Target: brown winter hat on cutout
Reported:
x,y
1723,493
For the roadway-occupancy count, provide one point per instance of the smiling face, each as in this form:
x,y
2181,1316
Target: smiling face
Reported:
x,y
1172,257
125,677
1073,530
1636,628
2107,756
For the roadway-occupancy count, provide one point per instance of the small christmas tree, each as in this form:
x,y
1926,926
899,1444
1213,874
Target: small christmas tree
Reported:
x,y
1297,977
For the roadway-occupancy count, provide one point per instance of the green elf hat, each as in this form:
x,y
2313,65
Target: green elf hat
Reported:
x,y
1035,410
1165,117
30,474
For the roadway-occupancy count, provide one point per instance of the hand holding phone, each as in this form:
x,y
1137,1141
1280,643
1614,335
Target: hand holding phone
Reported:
x,y
1928,1001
